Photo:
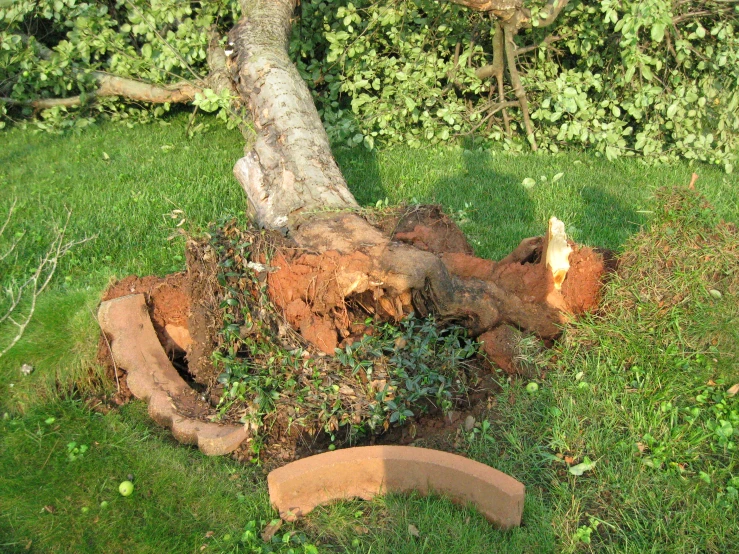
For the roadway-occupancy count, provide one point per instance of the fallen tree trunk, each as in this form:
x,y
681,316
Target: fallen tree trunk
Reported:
x,y
295,186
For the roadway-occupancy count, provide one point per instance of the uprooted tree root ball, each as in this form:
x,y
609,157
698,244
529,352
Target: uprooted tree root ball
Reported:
x,y
311,349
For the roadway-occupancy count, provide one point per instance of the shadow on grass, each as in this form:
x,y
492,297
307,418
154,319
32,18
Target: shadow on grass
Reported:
x,y
483,190
361,170
604,220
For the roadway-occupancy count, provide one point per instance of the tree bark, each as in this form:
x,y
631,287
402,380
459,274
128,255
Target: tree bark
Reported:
x,y
290,172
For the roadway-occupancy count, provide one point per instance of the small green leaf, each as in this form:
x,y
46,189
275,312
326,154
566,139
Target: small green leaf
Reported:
x,y
658,32
581,468
557,177
528,182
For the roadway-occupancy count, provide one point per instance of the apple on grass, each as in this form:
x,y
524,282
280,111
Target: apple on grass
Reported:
x,y
125,488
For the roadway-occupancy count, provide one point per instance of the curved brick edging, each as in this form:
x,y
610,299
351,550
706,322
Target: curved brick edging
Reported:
x,y
152,377
363,472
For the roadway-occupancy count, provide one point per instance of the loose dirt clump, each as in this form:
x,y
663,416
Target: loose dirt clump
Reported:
x,y
425,227
205,318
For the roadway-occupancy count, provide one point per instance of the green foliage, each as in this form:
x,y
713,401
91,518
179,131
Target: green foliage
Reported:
x,y
626,78
655,78
394,372
49,49
423,364
383,71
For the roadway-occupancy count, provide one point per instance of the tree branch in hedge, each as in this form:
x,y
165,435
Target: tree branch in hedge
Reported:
x,y
487,71
510,16
546,42
495,108
519,91
550,12
112,85
496,70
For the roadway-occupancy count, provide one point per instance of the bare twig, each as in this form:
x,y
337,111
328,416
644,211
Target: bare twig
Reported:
x,y
495,108
546,42
518,89
7,219
37,283
16,240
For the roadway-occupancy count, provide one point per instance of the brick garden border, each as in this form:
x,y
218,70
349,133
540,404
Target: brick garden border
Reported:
x,y
363,472
153,378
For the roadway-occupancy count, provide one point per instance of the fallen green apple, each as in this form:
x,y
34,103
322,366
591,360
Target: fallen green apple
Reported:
x,y
125,488
104,504
532,387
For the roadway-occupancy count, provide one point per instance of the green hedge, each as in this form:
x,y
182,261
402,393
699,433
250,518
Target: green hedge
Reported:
x,y
655,78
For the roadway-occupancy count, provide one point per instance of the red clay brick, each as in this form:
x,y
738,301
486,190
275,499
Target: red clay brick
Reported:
x,y
152,377
363,472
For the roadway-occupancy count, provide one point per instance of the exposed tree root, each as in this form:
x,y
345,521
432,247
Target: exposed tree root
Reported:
x,y
343,259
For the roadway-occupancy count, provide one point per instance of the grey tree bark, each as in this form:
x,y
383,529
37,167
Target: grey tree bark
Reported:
x,y
290,173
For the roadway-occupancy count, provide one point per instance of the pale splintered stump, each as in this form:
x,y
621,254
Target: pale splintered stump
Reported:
x,y
558,252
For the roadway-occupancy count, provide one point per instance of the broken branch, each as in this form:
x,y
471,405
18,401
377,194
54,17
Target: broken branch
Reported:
x,y
112,85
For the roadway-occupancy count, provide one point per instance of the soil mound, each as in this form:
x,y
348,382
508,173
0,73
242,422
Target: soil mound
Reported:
x,y
309,349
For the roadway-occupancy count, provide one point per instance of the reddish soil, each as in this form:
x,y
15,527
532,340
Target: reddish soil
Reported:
x,y
314,292
313,300
427,228
499,345
582,287
321,295
205,320
168,301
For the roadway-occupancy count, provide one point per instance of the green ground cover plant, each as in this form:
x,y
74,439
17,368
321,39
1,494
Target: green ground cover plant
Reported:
x,y
628,443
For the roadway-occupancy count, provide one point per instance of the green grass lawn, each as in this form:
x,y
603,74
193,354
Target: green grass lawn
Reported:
x,y
623,393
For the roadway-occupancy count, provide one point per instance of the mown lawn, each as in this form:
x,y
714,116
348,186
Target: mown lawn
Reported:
x,y
623,392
